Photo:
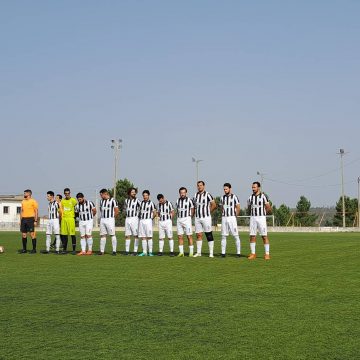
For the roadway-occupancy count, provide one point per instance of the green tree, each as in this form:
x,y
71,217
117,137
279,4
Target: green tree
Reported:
x,y
216,215
122,187
351,206
282,215
303,216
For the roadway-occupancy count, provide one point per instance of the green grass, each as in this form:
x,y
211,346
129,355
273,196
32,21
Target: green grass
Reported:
x,y
303,304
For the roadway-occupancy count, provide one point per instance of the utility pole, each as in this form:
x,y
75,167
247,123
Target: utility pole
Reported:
x,y
197,168
261,179
342,153
116,145
358,217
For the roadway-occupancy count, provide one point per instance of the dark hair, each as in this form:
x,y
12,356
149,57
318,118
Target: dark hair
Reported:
x,y
160,196
79,195
182,188
131,189
51,193
28,191
146,192
60,196
66,190
227,185
104,191
201,182
256,183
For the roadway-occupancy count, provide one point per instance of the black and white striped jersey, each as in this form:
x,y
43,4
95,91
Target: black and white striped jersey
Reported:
x,y
132,207
85,210
202,204
228,204
147,210
53,210
256,204
107,208
184,207
165,210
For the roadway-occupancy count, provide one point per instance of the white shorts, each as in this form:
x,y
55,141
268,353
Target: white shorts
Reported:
x,y
53,227
203,225
258,224
146,228
184,226
229,226
107,227
86,227
165,229
132,226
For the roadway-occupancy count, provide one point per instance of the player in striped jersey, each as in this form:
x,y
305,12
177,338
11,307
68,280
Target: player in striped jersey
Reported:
x,y
147,214
165,213
132,207
86,211
230,206
53,225
58,199
109,210
204,205
258,206
185,211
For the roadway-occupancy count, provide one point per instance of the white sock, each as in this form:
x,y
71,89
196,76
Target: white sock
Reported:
x,y
161,245
171,244
57,244
90,242
252,247
191,249
48,242
223,245
198,246
211,248
136,245
102,244
181,249
127,245
150,245
144,246
114,243
267,249
83,244
238,245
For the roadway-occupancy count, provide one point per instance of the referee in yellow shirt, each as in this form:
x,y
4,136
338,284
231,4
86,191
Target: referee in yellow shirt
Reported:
x,y
67,228
28,220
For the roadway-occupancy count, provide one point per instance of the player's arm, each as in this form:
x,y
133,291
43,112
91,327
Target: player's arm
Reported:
x,y
237,209
213,205
154,213
268,208
94,211
116,211
172,213
36,211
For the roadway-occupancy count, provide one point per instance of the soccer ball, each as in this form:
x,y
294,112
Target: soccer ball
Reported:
x,y
2,250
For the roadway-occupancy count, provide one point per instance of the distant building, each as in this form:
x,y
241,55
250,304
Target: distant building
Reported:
x,y
10,209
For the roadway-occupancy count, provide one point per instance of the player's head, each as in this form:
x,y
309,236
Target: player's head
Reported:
x,y
161,198
132,192
201,186
27,194
50,195
67,193
183,192
146,195
255,187
80,197
227,188
58,197
104,193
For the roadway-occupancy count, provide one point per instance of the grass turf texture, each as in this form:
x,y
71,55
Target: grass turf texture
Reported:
x,y
303,304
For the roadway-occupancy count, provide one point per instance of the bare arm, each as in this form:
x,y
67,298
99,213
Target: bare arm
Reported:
x,y
237,210
116,211
268,208
213,206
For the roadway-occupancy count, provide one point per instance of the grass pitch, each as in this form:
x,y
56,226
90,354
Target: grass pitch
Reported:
x,y
303,304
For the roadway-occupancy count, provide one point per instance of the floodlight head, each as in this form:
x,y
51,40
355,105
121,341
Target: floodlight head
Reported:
x,y
258,173
193,160
112,141
342,151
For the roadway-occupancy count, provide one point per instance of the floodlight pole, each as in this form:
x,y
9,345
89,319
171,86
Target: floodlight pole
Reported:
x,y
197,168
116,146
261,179
342,153
358,218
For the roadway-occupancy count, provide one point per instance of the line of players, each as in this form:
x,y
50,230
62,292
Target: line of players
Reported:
x,y
139,221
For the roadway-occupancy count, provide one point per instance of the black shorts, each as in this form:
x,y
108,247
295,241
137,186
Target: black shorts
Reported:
x,y
27,225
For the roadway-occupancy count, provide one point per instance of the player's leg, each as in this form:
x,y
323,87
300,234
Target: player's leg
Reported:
x,y
64,234
23,231
234,231
209,235
224,235
73,235
162,232
263,233
188,231
149,234
128,233
103,233
88,237
142,236
253,232
82,229
31,228
170,236
199,233
112,233
135,228
180,232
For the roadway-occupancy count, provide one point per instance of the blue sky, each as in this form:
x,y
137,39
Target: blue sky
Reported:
x,y
246,86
